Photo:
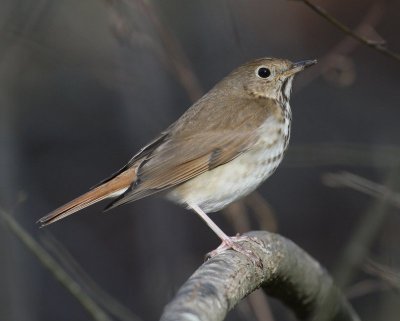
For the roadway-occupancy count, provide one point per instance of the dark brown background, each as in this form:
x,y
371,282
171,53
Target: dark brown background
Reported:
x,y
84,84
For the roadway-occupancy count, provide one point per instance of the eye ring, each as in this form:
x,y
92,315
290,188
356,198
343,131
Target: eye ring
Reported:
x,y
263,72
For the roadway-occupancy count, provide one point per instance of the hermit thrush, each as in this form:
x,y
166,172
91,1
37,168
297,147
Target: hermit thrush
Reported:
x,y
221,149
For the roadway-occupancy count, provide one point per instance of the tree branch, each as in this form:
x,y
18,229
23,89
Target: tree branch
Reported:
x,y
288,273
363,185
339,25
76,289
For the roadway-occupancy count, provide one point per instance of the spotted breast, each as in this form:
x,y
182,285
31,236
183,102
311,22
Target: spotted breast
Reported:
x,y
215,189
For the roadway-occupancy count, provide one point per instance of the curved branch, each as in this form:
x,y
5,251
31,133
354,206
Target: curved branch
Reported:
x,y
288,273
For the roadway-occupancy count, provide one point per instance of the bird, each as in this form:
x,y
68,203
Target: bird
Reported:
x,y
220,150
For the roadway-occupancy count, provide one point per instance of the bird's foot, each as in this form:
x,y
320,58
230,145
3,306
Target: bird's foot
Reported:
x,y
234,243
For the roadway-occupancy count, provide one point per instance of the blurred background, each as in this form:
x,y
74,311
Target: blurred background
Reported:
x,y
85,84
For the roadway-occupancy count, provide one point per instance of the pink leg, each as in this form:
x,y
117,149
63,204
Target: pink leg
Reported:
x,y
227,242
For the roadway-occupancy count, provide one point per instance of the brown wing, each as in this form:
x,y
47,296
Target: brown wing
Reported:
x,y
182,159
179,160
199,141
142,154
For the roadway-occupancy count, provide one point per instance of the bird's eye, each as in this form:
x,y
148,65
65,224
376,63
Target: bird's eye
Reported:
x,y
263,72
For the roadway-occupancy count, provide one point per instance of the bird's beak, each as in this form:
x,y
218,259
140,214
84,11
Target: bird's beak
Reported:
x,y
299,66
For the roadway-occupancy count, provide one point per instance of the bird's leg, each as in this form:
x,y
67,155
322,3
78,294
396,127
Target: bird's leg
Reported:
x,y
227,242
210,223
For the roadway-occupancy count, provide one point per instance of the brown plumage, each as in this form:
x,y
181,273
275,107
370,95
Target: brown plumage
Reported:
x,y
97,194
219,150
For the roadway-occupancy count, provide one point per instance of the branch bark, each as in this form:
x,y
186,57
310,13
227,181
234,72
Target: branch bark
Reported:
x,y
288,273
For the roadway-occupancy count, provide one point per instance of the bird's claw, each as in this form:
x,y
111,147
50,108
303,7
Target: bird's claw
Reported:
x,y
233,243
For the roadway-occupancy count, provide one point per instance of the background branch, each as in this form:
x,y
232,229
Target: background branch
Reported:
x,y
378,46
76,289
288,273
365,232
363,185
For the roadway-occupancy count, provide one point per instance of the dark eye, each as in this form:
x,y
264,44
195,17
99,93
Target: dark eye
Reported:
x,y
264,72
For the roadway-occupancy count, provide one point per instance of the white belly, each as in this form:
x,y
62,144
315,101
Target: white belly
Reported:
x,y
215,189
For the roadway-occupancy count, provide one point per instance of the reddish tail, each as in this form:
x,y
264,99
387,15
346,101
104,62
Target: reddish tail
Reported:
x,y
112,188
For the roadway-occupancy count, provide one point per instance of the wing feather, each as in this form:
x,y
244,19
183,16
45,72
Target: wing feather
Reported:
x,y
181,160
189,150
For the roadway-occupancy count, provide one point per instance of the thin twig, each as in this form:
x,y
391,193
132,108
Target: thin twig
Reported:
x,y
339,54
366,287
104,299
364,234
58,272
339,25
384,273
261,308
177,60
362,185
